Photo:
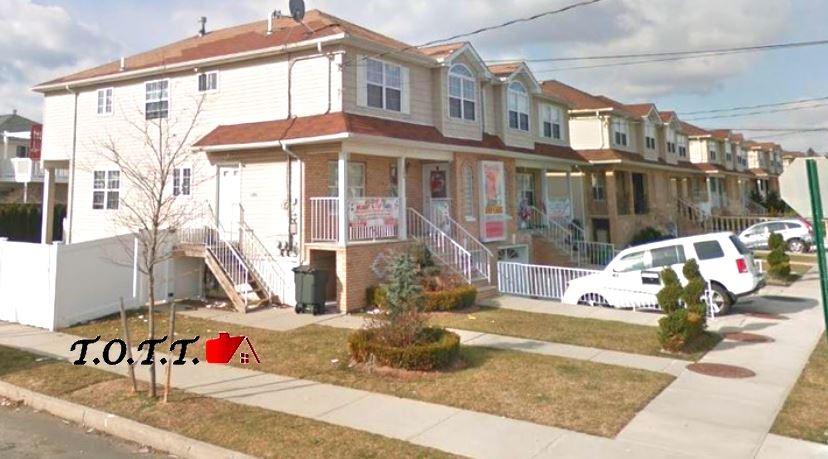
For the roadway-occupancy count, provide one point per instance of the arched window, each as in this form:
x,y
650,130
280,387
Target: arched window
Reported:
x,y
518,107
468,192
462,93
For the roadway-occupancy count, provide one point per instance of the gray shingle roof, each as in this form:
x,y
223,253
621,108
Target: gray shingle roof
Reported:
x,y
15,123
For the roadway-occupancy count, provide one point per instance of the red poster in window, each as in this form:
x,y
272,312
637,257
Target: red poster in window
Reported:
x,y
35,141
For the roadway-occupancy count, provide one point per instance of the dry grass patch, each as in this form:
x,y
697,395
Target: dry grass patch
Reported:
x,y
601,334
797,271
803,415
584,396
251,430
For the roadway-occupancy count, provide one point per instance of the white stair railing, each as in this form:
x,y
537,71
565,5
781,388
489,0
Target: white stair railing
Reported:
x,y
260,260
568,237
481,255
444,248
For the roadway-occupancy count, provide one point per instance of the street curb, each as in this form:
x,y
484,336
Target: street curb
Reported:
x,y
118,426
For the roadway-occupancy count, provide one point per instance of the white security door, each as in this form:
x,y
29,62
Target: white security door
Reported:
x,y
436,200
229,198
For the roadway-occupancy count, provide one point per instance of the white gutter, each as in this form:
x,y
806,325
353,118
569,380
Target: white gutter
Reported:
x,y
194,63
271,144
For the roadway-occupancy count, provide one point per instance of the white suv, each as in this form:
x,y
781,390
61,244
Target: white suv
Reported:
x,y
635,272
798,234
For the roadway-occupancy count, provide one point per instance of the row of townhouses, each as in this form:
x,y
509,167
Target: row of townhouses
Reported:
x,y
327,144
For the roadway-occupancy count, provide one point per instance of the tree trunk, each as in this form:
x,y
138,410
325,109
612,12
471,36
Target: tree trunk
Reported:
x,y
128,342
151,312
170,357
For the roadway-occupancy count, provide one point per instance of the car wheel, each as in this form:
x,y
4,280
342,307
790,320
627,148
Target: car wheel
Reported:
x,y
593,299
722,300
797,246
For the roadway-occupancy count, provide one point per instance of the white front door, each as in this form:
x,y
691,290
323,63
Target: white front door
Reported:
x,y
229,198
436,200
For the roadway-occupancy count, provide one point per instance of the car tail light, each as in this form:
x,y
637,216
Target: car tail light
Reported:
x,y
807,225
741,265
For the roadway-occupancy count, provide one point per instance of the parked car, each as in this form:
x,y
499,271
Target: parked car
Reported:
x,y
635,272
798,234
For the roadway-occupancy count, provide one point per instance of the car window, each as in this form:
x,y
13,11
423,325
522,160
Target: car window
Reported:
x,y
742,248
630,262
708,250
758,229
793,225
777,226
666,256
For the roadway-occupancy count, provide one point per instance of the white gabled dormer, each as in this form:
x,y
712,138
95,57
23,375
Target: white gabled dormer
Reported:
x,y
516,91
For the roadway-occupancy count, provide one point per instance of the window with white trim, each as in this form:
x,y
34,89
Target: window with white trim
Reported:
x,y
682,145
105,101
356,179
711,152
621,128
671,141
551,117
518,106
462,93
182,181
468,193
157,99
649,136
728,152
384,85
106,190
22,151
599,184
207,81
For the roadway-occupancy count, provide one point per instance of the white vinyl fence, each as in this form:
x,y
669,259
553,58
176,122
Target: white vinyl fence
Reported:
x,y
55,286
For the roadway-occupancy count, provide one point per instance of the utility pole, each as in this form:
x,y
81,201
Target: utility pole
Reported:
x,y
819,233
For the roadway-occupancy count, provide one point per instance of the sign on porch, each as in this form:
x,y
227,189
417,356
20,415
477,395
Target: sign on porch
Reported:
x,y
493,202
379,216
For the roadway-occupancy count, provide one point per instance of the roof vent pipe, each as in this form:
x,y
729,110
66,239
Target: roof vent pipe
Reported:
x,y
276,14
123,64
202,31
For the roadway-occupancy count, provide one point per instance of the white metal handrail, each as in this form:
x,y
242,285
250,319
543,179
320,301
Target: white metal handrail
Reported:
x,y
571,242
481,255
262,262
444,248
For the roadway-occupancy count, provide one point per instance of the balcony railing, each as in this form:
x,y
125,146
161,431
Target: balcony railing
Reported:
x,y
368,219
26,170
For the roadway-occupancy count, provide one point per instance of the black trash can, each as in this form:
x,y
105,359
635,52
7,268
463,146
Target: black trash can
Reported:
x,y
311,289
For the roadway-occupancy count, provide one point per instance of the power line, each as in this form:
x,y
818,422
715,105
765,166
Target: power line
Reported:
x,y
673,53
760,112
751,107
789,129
480,30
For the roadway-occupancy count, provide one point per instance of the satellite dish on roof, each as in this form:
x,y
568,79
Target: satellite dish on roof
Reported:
x,y
297,10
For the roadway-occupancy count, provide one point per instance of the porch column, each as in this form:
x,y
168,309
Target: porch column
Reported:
x,y
569,193
342,202
545,191
48,218
402,222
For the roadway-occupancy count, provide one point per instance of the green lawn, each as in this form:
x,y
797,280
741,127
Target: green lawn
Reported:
x,y
254,431
584,396
804,413
602,334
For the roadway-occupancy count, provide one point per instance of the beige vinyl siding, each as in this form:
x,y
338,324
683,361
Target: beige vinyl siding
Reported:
x,y
588,133
516,137
492,118
452,127
264,196
564,140
58,112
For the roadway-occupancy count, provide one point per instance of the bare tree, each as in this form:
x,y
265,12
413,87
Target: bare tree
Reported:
x,y
151,159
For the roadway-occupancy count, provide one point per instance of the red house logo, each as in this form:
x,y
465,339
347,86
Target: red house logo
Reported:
x,y
222,349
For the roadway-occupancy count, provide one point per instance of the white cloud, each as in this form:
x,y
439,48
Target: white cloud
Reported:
x,y
39,43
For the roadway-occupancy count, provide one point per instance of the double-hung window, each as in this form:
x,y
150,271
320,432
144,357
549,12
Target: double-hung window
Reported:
x,y
712,153
22,151
356,179
620,127
105,101
518,105
182,181
462,93
649,137
599,183
106,190
384,82
550,122
157,99
208,82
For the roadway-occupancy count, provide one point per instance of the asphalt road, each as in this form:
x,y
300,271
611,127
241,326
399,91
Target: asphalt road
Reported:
x,y
25,433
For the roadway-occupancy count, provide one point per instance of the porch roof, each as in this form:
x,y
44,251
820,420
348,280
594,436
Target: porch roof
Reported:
x,y
346,123
719,169
611,155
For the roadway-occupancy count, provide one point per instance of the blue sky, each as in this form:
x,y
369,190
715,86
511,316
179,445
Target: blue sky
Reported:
x,y
53,37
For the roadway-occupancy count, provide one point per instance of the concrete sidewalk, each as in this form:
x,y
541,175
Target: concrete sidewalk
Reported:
x,y
445,428
279,320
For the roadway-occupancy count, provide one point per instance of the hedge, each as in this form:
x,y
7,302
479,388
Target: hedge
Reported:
x,y
438,349
449,300
21,222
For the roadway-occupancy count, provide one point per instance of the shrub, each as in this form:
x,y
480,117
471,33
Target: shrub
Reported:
x,y
433,349
460,297
686,317
21,222
779,262
646,235
422,256
376,297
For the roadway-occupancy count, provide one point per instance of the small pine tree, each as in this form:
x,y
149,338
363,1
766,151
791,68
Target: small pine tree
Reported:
x,y
669,296
686,312
779,261
403,290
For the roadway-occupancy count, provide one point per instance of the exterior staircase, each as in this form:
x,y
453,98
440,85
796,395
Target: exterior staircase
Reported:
x,y
453,246
568,238
695,220
244,268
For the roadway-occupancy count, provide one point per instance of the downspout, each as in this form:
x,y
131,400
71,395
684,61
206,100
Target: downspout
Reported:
x,y
291,155
71,193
